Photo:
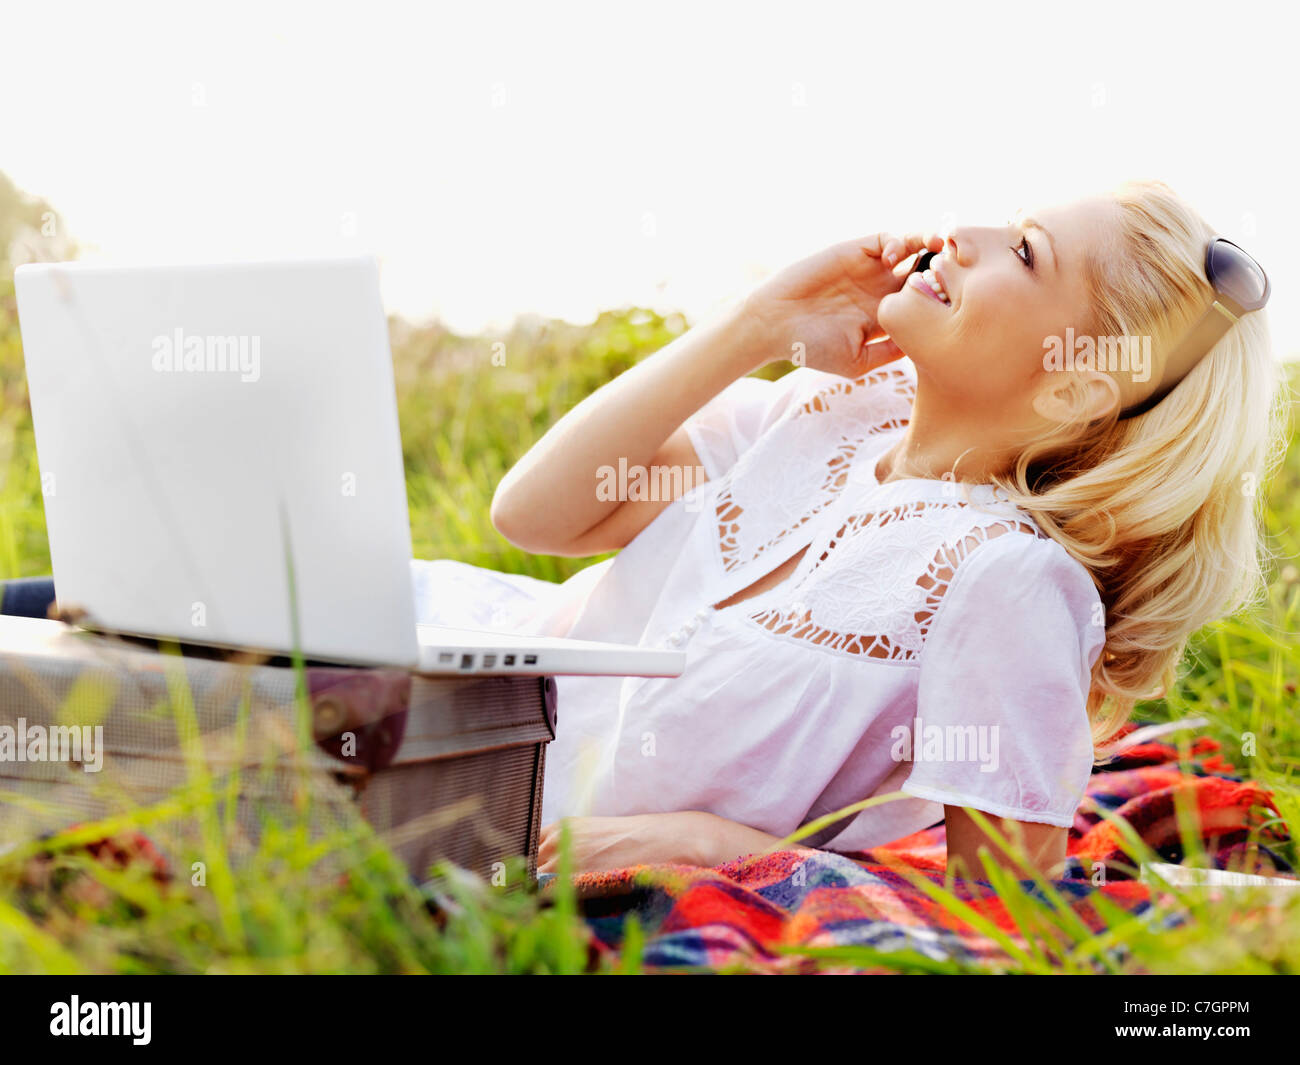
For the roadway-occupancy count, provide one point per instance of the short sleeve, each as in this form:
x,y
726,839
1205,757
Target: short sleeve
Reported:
x,y
727,426
1001,721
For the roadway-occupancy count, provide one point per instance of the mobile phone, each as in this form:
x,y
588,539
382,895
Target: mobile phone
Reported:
x,y
923,261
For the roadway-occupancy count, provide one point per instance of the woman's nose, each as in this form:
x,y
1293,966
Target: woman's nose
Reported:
x,y
955,244
962,243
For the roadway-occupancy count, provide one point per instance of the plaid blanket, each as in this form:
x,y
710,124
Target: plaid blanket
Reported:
x,y
751,912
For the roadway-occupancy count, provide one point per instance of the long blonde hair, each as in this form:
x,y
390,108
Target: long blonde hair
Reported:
x,y
1163,509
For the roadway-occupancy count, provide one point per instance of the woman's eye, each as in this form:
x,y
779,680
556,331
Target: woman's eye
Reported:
x,y
1028,257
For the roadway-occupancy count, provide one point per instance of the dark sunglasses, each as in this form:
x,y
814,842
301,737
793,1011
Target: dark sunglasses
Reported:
x,y
1240,286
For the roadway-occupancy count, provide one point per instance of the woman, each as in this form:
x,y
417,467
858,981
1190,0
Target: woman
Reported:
x,y
936,559
931,559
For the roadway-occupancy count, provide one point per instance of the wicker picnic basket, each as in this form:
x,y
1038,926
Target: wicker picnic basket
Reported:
x,y
442,768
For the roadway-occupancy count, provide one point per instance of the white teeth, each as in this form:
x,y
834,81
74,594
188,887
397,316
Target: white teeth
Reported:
x,y
936,286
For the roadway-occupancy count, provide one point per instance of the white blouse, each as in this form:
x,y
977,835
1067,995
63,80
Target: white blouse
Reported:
x,y
932,639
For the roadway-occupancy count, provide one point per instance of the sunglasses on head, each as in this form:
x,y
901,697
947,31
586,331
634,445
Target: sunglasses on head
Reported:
x,y
1240,286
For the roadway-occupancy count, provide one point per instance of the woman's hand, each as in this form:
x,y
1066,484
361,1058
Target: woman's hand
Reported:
x,y
688,838
828,303
597,843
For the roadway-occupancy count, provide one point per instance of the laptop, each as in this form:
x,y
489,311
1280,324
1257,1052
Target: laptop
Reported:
x,y
221,465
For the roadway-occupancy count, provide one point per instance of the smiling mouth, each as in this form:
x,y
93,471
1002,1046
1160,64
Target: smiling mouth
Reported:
x,y
925,280
927,283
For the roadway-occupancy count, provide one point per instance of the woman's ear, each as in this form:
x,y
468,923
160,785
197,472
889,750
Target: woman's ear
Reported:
x,y
1078,395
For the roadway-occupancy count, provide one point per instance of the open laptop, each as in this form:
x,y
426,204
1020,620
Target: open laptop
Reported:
x,y
221,464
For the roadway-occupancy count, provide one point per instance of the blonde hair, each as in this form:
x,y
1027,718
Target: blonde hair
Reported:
x,y
1164,509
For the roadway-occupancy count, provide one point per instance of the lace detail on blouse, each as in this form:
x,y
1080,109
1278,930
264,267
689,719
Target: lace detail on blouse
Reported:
x,y
789,475
885,603
878,582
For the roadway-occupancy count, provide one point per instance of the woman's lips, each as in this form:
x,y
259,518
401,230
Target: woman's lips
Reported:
x,y
915,281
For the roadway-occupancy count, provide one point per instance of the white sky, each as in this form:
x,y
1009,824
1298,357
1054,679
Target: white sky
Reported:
x,y
563,158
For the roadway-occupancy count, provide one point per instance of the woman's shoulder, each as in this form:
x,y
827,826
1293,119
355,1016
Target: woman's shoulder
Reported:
x,y
1007,545
1019,579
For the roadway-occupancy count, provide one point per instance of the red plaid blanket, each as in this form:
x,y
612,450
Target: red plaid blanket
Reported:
x,y
773,912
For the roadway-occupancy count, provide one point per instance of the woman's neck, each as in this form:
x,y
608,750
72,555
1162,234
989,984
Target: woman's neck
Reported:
x,y
946,441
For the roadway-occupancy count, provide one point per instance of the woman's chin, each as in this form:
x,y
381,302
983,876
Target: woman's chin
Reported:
x,y
893,318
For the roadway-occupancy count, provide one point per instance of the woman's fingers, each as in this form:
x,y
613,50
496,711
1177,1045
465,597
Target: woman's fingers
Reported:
x,y
875,245
891,249
896,249
548,842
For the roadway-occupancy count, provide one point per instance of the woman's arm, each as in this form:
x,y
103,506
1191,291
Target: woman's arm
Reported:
x,y
548,503
696,838
688,838
1042,845
823,307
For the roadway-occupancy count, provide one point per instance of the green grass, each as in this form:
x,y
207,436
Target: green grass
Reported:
x,y
338,901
